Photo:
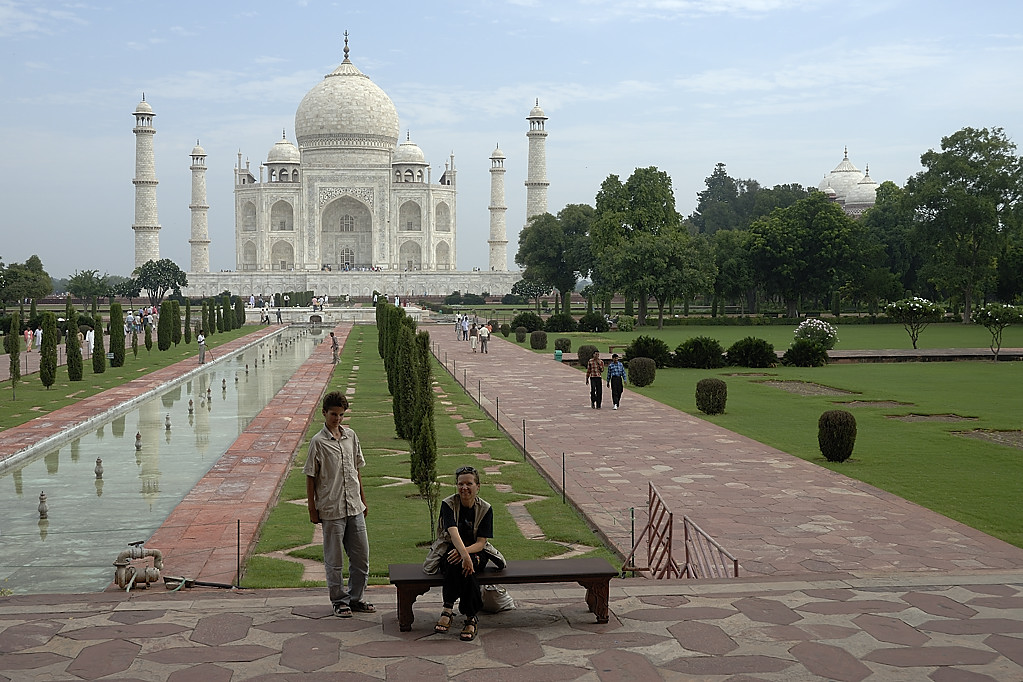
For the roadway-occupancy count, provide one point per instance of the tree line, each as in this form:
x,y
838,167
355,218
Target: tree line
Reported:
x,y
953,232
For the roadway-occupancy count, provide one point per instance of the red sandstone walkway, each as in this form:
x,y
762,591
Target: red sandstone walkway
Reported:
x,y
778,514
201,537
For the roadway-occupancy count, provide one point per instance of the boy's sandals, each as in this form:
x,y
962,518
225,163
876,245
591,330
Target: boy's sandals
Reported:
x,y
363,607
444,622
469,630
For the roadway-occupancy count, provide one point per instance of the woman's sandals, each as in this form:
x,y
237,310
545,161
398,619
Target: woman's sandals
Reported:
x,y
444,622
469,630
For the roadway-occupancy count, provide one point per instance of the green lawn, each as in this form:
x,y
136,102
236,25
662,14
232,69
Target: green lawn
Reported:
x,y
400,526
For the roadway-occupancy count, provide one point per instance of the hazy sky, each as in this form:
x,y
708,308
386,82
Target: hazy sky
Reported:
x,y
775,89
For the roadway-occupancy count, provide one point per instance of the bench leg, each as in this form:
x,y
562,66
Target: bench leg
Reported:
x,y
407,595
598,595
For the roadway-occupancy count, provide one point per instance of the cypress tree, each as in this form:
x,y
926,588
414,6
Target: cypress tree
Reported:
x,y
117,335
204,319
239,312
73,348
227,312
149,339
95,306
12,344
176,322
424,468
188,321
165,326
135,343
424,378
48,351
218,316
404,395
99,358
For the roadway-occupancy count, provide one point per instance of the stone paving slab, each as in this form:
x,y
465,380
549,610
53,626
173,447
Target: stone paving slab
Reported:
x,y
722,631
776,513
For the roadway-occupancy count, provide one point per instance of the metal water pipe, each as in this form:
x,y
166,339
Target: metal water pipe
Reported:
x,y
128,575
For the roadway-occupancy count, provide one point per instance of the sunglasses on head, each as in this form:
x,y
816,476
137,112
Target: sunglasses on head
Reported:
x,y
465,470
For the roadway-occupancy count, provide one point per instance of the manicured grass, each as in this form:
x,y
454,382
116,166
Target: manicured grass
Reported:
x,y
399,523
33,399
973,481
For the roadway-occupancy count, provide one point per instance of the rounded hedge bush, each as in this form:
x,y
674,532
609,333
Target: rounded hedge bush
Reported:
x,y
836,435
506,329
649,347
538,340
585,353
642,371
562,322
711,395
530,320
626,323
701,352
751,352
593,322
805,353
520,334
563,344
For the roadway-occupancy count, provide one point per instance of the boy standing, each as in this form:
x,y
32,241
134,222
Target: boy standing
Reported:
x,y
336,501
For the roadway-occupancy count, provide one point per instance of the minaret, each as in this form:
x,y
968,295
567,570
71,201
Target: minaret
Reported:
x,y
536,173
498,232
146,225
200,240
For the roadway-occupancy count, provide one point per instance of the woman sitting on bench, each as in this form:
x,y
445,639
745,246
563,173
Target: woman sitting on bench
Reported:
x,y
461,549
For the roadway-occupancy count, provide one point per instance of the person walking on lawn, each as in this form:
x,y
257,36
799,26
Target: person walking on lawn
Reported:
x,y
337,502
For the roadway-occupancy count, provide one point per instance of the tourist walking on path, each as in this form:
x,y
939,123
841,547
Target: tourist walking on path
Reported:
x,y
458,327
335,348
474,335
594,370
201,339
616,378
279,320
39,337
484,338
462,548
465,328
28,340
337,502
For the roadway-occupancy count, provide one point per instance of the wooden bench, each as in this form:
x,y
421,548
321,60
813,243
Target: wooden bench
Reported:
x,y
592,573
614,347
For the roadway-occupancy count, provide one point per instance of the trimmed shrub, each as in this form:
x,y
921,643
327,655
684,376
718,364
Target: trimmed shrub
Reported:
x,y
585,353
538,340
649,347
530,320
642,371
593,322
520,334
817,331
165,326
626,323
73,349
805,353
711,395
752,352
563,344
836,435
506,329
99,357
562,322
700,352
48,352
116,335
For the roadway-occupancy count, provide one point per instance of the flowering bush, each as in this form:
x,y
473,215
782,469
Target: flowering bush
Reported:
x,y
995,317
914,314
817,331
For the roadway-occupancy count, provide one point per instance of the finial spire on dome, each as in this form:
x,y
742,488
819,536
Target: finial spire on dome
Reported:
x,y
847,151
408,135
197,142
346,46
143,96
537,101
284,134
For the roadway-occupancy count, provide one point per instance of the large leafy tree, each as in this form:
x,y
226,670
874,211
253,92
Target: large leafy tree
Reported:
x,y
964,201
25,280
157,277
734,278
642,205
890,223
531,288
805,250
725,204
674,266
88,284
555,250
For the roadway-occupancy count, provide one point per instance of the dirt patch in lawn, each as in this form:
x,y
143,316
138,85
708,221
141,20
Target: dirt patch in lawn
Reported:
x,y
1013,439
931,418
806,388
873,403
750,374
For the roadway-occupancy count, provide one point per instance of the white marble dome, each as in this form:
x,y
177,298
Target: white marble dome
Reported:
x,y
536,111
197,150
863,192
409,152
842,179
143,108
283,152
498,154
346,108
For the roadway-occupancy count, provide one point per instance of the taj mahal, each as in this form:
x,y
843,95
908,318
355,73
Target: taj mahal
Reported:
x,y
347,210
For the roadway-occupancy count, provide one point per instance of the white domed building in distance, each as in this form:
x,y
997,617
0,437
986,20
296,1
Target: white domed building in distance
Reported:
x,y
849,187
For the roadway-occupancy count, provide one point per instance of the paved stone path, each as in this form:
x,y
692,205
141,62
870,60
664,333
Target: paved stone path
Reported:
x,y
778,514
860,609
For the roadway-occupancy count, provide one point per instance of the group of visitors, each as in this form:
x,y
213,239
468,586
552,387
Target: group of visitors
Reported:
x,y
472,331
336,501
616,379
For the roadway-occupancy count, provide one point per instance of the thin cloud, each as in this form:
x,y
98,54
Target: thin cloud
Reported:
x,y
22,18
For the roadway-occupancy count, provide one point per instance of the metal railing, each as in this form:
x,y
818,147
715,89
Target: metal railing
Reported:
x,y
658,533
705,558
